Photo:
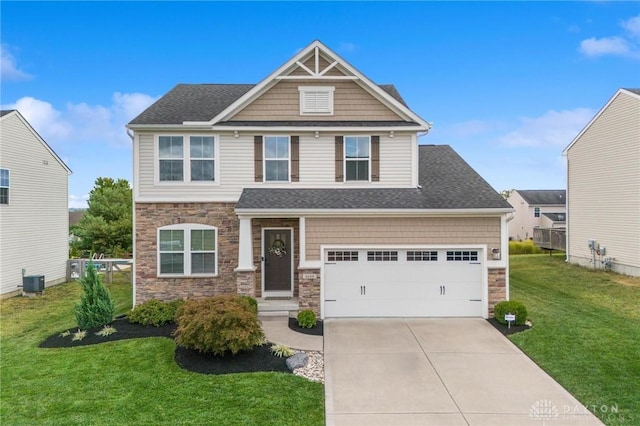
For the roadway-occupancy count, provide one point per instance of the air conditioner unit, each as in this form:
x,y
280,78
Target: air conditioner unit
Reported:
x,y
33,283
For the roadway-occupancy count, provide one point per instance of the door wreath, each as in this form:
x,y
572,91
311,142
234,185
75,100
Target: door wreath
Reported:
x,y
278,248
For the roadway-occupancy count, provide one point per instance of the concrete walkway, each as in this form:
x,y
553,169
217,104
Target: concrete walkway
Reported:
x,y
277,330
437,372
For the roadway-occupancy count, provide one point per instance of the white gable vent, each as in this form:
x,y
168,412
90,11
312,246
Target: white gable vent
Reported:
x,y
316,100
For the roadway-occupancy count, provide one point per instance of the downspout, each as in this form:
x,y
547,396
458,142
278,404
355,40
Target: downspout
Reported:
x,y
131,134
566,212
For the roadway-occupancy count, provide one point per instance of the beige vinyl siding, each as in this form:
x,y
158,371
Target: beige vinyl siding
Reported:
x,y
604,186
235,162
282,102
390,231
34,226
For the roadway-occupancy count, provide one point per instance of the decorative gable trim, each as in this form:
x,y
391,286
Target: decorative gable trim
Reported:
x,y
316,48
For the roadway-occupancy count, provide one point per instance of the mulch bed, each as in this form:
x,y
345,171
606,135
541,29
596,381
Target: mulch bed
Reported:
x,y
259,358
317,330
504,329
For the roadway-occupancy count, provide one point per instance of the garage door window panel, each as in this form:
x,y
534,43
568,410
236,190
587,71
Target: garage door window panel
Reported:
x,y
422,256
462,256
342,256
382,256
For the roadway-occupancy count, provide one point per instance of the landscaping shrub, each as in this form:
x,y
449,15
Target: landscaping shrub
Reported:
x,y
96,307
253,302
510,307
154,312
219,324
306,318
524,247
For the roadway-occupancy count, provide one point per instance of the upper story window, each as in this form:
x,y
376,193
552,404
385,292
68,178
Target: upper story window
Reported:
x,y
4,186
357,158
536,212
316,100
187,249
198,154
276,158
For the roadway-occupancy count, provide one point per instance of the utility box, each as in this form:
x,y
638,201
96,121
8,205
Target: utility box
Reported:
x,y
33,283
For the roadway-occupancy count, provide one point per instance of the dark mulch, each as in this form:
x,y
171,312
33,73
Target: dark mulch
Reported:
x,y
504,329
259,358
317,330
125,330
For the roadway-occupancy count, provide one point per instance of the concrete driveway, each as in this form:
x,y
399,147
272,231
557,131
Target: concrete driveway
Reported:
x,y
444,371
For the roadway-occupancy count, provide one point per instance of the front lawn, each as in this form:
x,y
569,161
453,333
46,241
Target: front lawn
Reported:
x,y
129,381
586,332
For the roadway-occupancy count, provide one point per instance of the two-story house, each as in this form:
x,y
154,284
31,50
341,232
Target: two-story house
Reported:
x,y
536,208
311,184
34,214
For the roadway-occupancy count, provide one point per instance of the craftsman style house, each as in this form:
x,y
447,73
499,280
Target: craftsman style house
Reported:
x,y
312,185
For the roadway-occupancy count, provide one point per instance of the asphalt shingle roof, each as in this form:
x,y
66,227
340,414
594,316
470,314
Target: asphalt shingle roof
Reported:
x,y
5,112
447,182
556,217
541,197
636,91
202,102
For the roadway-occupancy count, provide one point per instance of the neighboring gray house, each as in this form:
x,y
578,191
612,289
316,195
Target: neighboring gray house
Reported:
x,y
34,218
312,185
541,208
603,188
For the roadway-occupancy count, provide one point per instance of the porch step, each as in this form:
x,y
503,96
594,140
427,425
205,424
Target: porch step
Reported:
x,y
277,306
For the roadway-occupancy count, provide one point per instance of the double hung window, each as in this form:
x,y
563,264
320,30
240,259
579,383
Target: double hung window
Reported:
x,y
187,249
357,158
189,159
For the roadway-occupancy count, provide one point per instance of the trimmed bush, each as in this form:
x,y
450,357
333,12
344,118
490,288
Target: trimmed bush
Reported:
x,y
96,307
253,302
154,312
306,318
524,247
510,307
220,324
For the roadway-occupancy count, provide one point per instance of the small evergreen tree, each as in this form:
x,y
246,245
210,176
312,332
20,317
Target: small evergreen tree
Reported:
x,y
96,307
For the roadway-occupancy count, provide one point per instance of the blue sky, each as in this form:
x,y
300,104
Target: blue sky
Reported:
x,y
507,84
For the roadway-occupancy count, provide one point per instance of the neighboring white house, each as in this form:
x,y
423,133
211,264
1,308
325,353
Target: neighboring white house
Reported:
x,y
34,217
603,188
542,208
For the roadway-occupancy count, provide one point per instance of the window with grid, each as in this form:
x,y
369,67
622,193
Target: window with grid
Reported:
x,y
424,256
201,150
382,256
462,256
4,186
536,212
342,256
187,249
276,158
171,158
357,158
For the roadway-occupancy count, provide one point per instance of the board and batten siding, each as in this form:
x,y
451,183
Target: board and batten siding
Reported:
x,y
400,231
236,168
282,102
604,187
34,226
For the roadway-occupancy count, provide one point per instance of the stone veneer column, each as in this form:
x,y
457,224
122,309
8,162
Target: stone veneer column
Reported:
x,y
309,289
246,283
497,287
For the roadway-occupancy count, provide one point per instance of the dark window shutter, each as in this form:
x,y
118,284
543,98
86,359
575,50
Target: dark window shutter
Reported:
x,y
375,158
339,159
295,158
257,156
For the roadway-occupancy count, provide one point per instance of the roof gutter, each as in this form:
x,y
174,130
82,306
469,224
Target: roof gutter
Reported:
x,y
274,212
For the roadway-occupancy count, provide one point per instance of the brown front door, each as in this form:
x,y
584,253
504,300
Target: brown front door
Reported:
x,y
278,251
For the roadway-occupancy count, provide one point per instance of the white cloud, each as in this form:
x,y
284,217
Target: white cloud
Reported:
x,y
89,124
9,70
605,46
346,46
554,129
617,45
76,202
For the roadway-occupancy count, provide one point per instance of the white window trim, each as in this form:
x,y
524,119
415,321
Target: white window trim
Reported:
x,y
344,162
187,228
8,187
537,212
303,90
265,159
186,160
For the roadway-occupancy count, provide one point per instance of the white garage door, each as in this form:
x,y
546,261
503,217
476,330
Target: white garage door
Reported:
x,y
403,283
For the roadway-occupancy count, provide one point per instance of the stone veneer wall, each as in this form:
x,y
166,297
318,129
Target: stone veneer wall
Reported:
x,y
256,230
497,281
309,291
149,217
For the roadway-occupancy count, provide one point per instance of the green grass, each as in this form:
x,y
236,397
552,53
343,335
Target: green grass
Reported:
x,y
130,381
524,247
586,332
